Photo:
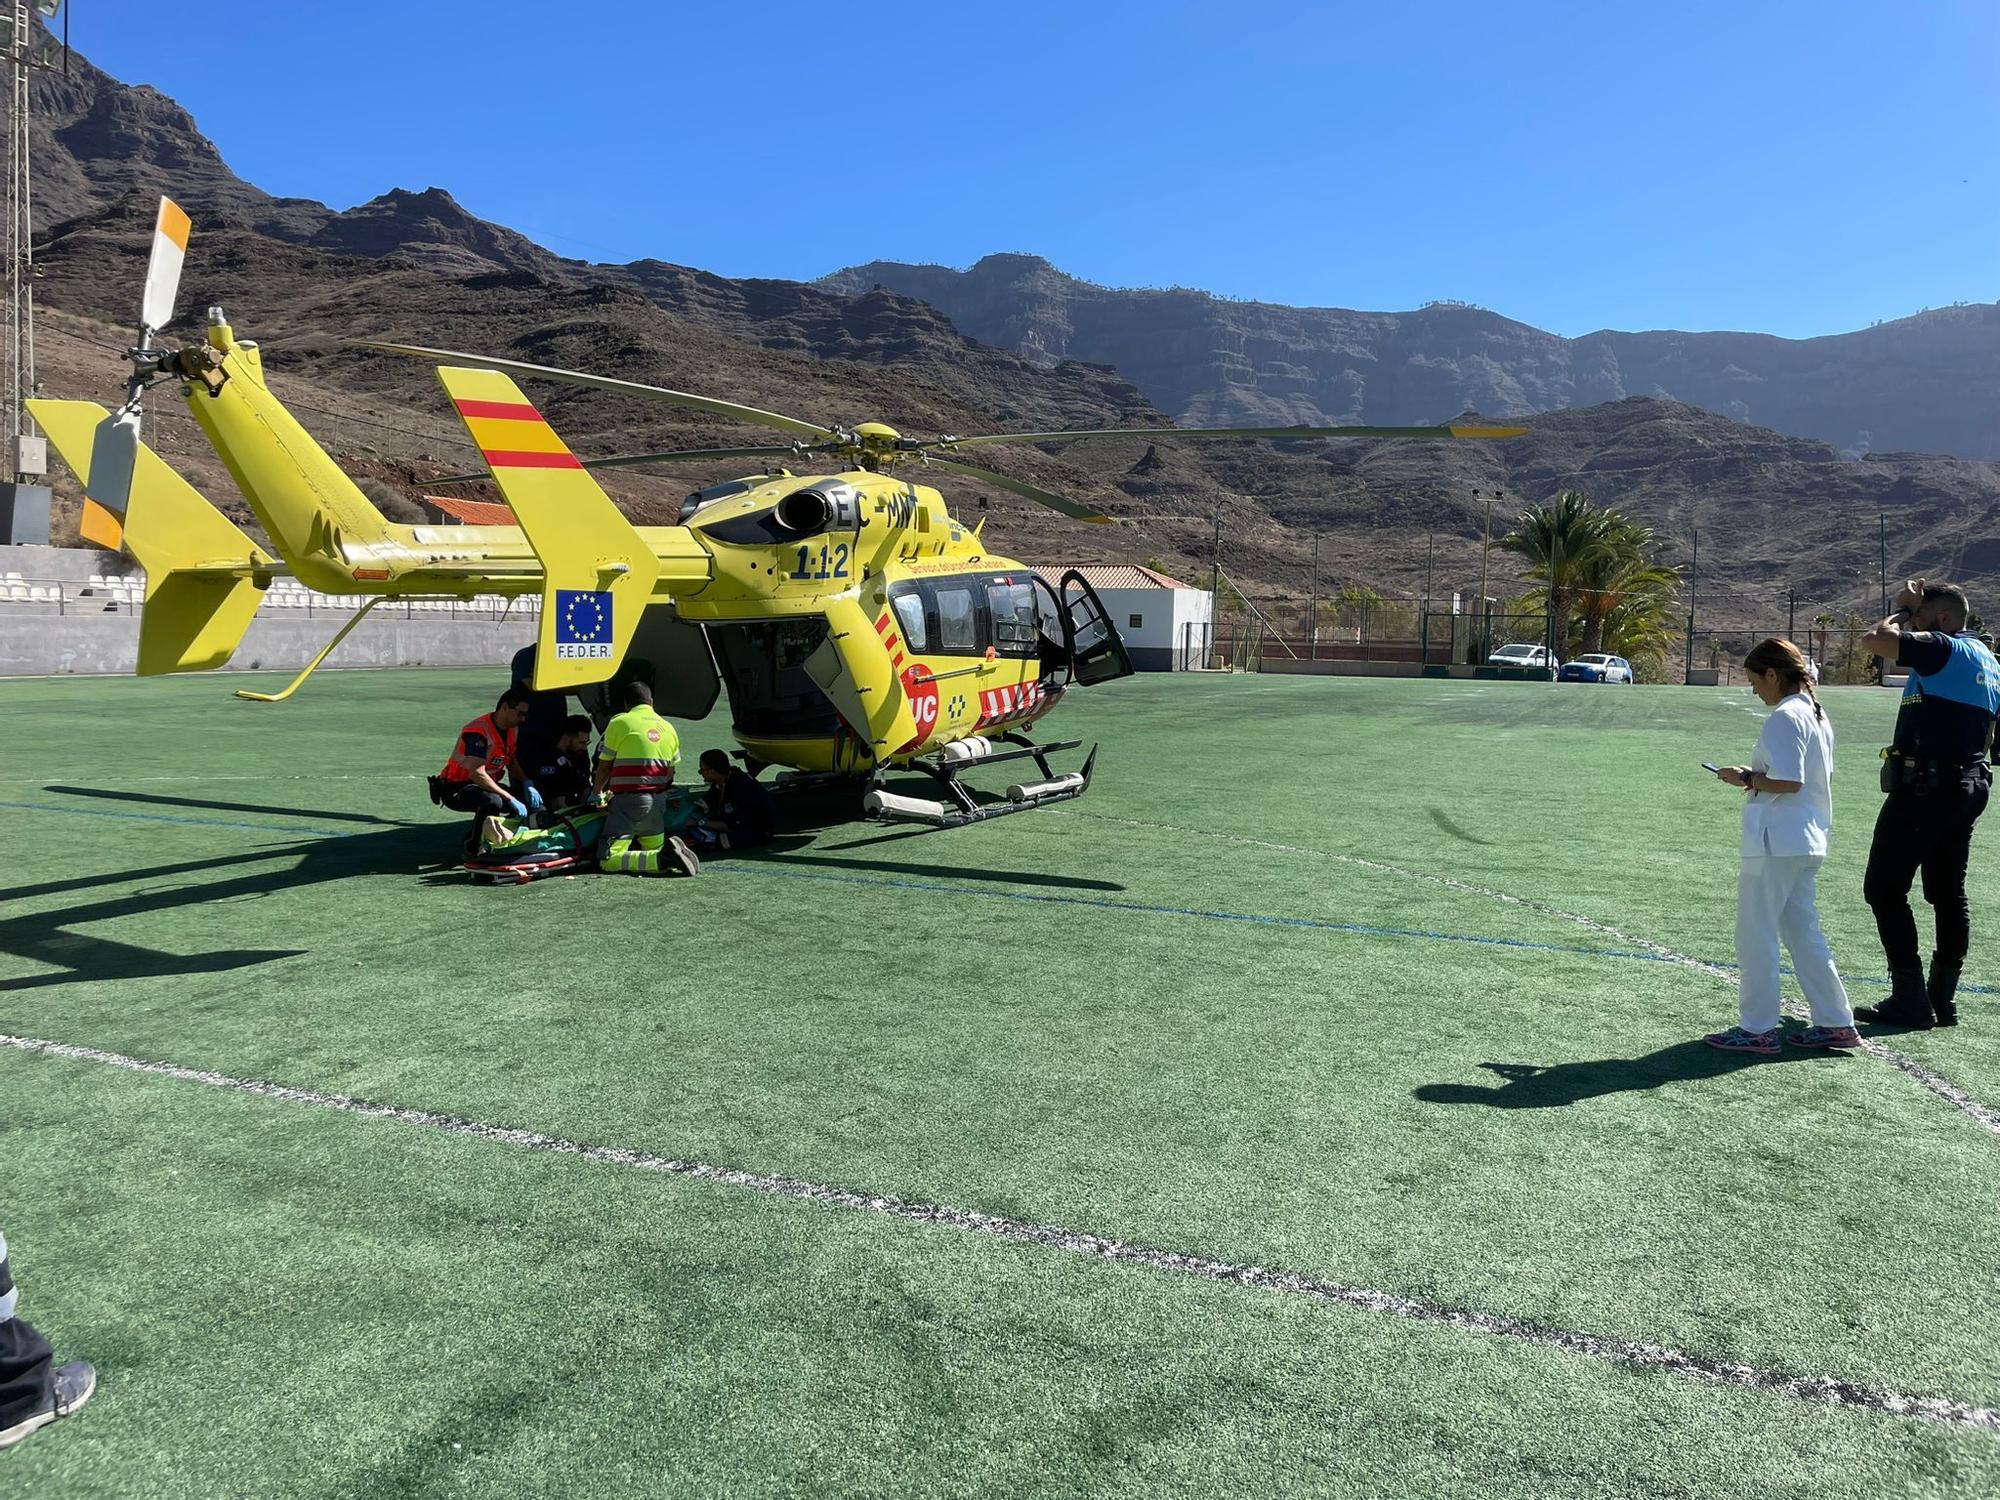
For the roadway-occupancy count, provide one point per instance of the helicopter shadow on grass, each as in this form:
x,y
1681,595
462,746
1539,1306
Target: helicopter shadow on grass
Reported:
x,y
45,937
1558,1085
160,799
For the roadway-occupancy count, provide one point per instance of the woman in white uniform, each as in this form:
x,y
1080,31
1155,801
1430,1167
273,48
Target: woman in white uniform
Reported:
x,y
1787,817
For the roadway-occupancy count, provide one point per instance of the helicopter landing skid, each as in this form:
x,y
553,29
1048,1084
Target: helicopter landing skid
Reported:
x,y
963,807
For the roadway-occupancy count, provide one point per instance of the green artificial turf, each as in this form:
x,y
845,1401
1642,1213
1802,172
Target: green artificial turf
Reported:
x,y
1191,1011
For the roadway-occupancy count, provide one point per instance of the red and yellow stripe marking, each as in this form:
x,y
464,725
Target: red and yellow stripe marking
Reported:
x,y
513,435
891,642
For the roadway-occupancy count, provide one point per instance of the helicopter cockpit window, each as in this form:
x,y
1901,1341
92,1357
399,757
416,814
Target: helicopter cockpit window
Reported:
x,y
910,620
958,621
1016,628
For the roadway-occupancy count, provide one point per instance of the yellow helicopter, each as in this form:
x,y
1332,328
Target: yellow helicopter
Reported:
x,y
856,624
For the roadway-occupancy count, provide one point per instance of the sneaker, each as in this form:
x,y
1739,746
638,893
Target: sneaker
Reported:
x,y
1736,1039
1826,1036
677,854
72,1387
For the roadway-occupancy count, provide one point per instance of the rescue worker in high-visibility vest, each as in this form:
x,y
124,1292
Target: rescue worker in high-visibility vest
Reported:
x,y
1937,778
470,780
635,768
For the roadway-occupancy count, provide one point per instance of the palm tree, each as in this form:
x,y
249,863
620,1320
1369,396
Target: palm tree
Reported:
x,y
1641,625
1558,538
1618,580
1596,566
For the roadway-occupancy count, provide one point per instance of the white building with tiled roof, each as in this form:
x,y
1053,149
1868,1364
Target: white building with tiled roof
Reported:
x,y
1165,623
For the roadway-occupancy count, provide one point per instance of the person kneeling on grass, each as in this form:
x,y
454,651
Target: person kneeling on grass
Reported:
x,y
1786,819
635,769
736,811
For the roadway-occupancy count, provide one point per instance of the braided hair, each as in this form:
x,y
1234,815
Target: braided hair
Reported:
x,y
1782,657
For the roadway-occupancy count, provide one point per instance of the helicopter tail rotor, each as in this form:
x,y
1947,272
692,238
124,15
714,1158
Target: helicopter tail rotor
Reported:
x,y
114,447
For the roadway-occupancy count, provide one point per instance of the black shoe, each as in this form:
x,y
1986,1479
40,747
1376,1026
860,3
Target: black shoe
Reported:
x,y
1908,1005
72,1387
1943,990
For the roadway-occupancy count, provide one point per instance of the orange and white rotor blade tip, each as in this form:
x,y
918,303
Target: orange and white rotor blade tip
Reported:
x,y
163,266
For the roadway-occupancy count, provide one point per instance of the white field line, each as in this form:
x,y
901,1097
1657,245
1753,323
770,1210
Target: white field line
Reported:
x,y
1820,1389
1939,1085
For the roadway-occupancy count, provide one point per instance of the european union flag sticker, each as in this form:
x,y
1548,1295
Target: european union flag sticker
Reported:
x,y
583,624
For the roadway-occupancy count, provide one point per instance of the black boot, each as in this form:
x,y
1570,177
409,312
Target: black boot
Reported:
x,y
1944,992
1908,1003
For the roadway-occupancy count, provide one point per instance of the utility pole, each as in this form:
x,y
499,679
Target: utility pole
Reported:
x,y
1214,588
1882,551
1694,579
1312,609
24,503
1791,611
1485,552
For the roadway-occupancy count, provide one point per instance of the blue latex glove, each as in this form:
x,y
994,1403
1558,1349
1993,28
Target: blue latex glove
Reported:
x,y
534,797
519,810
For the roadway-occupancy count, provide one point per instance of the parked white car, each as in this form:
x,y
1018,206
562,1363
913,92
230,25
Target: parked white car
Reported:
x,y
1521,654
1596,666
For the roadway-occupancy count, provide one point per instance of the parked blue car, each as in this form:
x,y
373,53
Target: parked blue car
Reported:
x,y
1596,667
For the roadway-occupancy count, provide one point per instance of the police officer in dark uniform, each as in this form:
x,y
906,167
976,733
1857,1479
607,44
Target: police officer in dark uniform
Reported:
x,y
543,724
1937,778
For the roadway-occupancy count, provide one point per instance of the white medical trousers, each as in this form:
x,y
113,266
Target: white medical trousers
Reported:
x,y
1775,899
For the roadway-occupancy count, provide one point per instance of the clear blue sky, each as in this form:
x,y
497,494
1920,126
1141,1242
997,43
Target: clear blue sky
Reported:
x,y
1789,166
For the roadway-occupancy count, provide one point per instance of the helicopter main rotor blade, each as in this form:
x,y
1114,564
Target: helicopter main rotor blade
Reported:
x,y
711,404
632,460
1018,487
1155,433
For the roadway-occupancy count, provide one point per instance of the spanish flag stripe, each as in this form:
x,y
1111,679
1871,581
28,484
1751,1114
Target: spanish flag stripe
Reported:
x,y
498,459
515,411
510,436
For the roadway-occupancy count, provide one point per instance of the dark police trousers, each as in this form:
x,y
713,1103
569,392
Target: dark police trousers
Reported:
x,y
1931,833
27,1365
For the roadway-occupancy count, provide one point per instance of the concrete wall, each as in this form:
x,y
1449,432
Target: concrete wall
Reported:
x,y
36,642
66,564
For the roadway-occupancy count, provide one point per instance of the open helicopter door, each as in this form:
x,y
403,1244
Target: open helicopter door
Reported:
x,y
672,657
1081,634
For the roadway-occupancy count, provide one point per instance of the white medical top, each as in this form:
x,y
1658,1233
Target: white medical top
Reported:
x,y
1796,745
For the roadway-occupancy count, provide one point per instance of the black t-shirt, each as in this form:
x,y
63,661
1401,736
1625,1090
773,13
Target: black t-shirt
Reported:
x,y
561,781
1929,726
743,805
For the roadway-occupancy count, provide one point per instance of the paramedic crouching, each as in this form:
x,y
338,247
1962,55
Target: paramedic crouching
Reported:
x,y
1937,779
470,780
635,767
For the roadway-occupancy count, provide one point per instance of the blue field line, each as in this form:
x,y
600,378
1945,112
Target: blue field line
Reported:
x,y
141,817
1310,924
1314,924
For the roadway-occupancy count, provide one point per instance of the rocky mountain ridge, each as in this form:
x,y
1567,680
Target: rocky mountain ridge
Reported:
x,y
1928,383
417,266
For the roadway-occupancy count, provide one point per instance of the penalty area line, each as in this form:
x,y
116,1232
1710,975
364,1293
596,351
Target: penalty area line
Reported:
x,y
1818,1389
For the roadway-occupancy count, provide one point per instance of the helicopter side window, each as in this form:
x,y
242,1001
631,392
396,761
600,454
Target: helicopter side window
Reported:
x,y
910,620
1016,627
958,622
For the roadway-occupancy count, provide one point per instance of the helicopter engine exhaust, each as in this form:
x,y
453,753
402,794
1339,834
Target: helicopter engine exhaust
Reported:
x,y
823,508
